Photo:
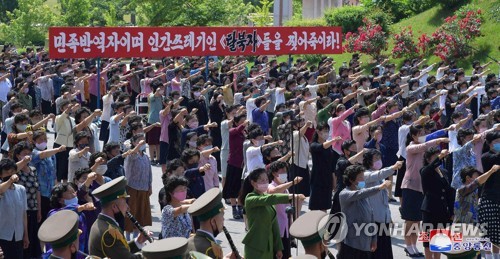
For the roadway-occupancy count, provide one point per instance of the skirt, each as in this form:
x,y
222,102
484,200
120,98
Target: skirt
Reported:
x,y
399,178
347,252
104,134
233,182
62,163
430,222
321,198
304,187
488,213
139,207
224,155
384,244
153,136
412,202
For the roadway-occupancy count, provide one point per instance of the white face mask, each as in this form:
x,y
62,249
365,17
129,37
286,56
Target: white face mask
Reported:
x,y
101,170
283,178
421,139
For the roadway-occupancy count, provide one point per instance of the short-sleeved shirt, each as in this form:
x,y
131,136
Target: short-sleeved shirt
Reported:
x,y
30,182
46,172
114,129
165,122
76,162
13,205
155,106
171,226
254,158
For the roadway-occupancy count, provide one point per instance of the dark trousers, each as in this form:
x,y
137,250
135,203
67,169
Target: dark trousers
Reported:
x,y
384,245
34,250
399,178
12,249
3,136
62,163
347,252
286,246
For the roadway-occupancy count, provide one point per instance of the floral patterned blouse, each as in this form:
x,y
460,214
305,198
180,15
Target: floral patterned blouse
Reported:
x,y
30,182
180,226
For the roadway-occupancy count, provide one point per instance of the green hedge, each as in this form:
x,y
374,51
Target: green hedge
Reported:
x,y
351,17
306,22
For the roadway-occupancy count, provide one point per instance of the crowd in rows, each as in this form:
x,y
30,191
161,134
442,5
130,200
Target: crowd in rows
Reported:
x,y
336,135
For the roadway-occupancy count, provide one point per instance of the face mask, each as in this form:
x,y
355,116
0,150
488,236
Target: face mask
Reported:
x,y
283,68
496,147
142,148
283,178
274,159
255,96
262,187
454,98
69,202
387,83
100,170
377,165
361,185
272,86
347,91
192,143
449,87
487,111
482,129
21,127
26,90
41,146
259,142
193,124
363,121
180,196
82,146
207,147
197,94
421,139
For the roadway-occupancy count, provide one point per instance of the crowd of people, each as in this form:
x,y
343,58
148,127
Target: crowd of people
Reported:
x,y
271,136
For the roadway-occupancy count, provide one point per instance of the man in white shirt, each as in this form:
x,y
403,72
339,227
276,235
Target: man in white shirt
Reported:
x,y
5,86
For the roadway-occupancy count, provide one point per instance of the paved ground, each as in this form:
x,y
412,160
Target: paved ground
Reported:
x,y
237,228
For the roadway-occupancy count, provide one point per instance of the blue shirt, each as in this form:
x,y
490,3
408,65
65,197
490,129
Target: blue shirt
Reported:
x,y
13,205
46,172
462,157
155,106
57,82
261,118
196,185
115,167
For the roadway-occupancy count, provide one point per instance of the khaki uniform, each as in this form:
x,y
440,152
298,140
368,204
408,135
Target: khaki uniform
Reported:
x,y
106,240
205,244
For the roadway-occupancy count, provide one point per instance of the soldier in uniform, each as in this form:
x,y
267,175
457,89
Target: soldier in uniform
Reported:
x,y
209,210
309,229
168,248
61,232
106,238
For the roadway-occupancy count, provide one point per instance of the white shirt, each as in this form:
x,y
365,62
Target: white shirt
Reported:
x,y
250,107
313,89
402,134
255,159
453,145
5,86
279,97
76,163
237,98
301,149
114,130
107,101
46,87
224,131
310,111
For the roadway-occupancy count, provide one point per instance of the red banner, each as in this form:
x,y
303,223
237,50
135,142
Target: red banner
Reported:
x,y
119,42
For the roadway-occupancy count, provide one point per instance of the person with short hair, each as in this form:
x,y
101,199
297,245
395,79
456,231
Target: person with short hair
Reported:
x,y
14,236
175,221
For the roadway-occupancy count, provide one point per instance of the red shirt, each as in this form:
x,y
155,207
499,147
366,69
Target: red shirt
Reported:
x,y
236,139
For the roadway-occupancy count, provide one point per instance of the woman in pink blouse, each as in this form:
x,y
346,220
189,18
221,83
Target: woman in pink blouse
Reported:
x,y
340,126
412,184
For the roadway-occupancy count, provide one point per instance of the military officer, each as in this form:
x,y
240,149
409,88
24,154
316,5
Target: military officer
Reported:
x,y
106,238
168,248
209,210
309,229
61,232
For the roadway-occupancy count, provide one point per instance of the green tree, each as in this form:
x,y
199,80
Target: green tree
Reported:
x,y
29,23
76,12
262,15
191,13
7,6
